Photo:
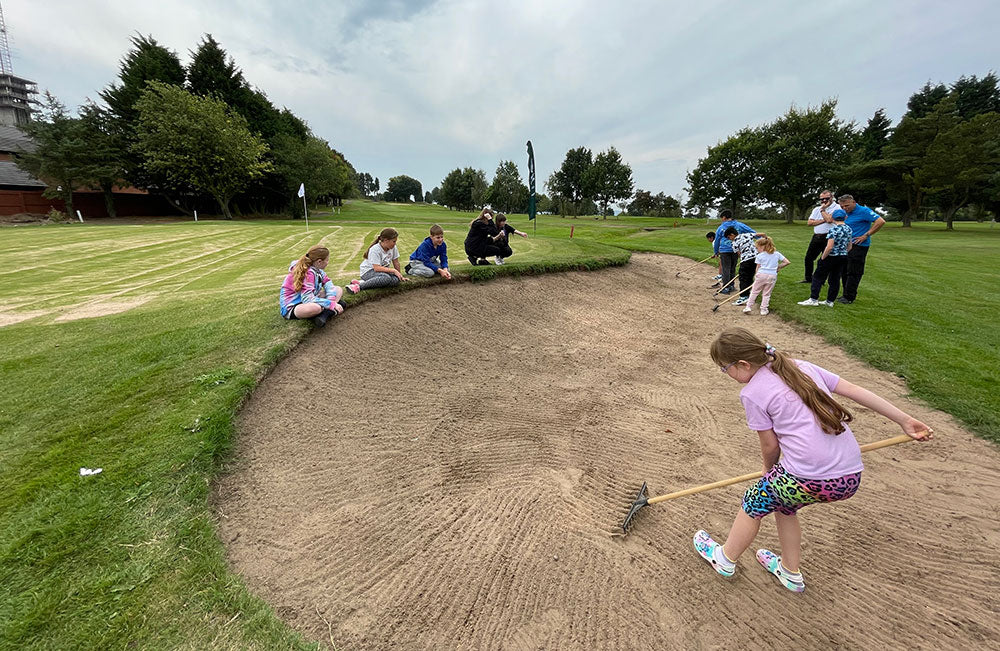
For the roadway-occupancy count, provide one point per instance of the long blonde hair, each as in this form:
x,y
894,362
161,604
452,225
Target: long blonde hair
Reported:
x,y
765,244
315,254
737,344
386,234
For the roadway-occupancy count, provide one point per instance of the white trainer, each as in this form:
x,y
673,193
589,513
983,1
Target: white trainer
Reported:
x,y
828,303
500,260
809,301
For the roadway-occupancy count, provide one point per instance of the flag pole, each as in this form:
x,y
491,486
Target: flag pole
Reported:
x,y
305,209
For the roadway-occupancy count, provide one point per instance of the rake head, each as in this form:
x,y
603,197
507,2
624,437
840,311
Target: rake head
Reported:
x,y
716,308
641,500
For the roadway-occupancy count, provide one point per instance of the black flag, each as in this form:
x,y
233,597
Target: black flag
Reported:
x,y
531,182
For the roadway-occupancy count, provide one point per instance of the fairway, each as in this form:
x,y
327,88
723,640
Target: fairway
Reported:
x,y
131,348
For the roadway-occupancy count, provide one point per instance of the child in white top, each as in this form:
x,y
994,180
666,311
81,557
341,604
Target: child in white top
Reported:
x,y
790,404
769,261
380,268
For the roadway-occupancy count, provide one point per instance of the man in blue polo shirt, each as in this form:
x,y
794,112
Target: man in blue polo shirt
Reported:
x,y
864,223
723,248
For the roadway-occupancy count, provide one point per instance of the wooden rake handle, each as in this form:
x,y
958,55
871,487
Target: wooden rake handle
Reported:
x,y
731,281
895,440
694,265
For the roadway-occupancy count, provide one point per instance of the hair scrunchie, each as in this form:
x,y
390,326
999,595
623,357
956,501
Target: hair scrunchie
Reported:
x,y
769,350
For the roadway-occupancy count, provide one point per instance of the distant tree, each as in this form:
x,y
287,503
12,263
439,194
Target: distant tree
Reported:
x,y
507,193
436,195
925,100
570,181
609,179
402,188
324,172
463,189
197,142
60,156
376,185
962,164
649,205
428,198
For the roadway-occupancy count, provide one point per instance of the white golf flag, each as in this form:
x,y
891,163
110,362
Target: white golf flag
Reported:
x,y
302,189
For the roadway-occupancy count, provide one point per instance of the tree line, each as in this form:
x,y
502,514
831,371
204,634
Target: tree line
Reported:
x,y
942,157
192,134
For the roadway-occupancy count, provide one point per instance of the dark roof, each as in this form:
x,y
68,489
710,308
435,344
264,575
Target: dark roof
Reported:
x,y
11,174
13,139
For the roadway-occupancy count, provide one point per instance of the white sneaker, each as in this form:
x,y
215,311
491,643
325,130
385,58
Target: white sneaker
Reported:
x,y
746,310
717,277
763,311
809,301
740,301
499,260
828,303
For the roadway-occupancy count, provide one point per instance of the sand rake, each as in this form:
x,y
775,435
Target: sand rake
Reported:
x,y
716,292
678,274
642,498
718,305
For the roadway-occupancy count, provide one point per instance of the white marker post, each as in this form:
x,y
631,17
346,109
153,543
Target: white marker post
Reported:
x,y
305,209
79,216
196,215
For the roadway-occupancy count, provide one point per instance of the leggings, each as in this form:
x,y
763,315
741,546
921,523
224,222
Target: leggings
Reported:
x,y
783,492
373,279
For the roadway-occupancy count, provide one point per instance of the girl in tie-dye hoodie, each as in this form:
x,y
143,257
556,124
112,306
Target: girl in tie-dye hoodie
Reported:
x,y
308,293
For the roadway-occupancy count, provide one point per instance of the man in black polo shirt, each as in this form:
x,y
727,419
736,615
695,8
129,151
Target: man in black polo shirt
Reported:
x,y
821,220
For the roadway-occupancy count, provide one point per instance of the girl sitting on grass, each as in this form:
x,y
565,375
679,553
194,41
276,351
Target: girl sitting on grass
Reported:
x,y
308,293
380,268
789,403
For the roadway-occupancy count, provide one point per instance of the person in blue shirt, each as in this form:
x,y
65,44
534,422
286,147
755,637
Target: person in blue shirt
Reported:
x,y
864,222
431,257
723,248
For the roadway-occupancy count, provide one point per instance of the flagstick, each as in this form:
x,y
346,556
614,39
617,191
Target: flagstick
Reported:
x,y
306,211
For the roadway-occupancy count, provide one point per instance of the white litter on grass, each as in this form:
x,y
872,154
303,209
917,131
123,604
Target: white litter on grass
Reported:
x,y
90,471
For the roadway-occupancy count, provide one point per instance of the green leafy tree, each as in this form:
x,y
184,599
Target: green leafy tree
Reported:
x,y
60,156
323,170
428,198
731,173
507,193
402,188
801,153
197,143
571,181
609,179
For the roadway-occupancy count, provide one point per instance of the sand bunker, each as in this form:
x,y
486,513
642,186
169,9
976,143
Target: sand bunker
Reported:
x,y
475,444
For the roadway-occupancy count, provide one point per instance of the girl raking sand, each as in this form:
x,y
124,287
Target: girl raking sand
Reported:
x,y
789,404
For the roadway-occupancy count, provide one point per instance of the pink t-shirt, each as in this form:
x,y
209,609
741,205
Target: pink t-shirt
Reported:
x,y
806,450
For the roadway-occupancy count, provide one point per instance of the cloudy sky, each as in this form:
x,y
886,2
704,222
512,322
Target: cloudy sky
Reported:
x,y
420,88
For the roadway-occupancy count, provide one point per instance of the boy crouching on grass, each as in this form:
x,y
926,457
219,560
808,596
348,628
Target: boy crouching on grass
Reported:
x,y
431,257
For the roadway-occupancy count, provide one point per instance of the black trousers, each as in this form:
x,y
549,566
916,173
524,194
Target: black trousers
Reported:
x,y
748,269
854,271
728,266
828,271
816,246
486,251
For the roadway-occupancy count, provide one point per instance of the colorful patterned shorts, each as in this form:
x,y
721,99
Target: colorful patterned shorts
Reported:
x,y
785,493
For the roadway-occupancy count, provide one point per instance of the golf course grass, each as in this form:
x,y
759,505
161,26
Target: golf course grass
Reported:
x,y
131,347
